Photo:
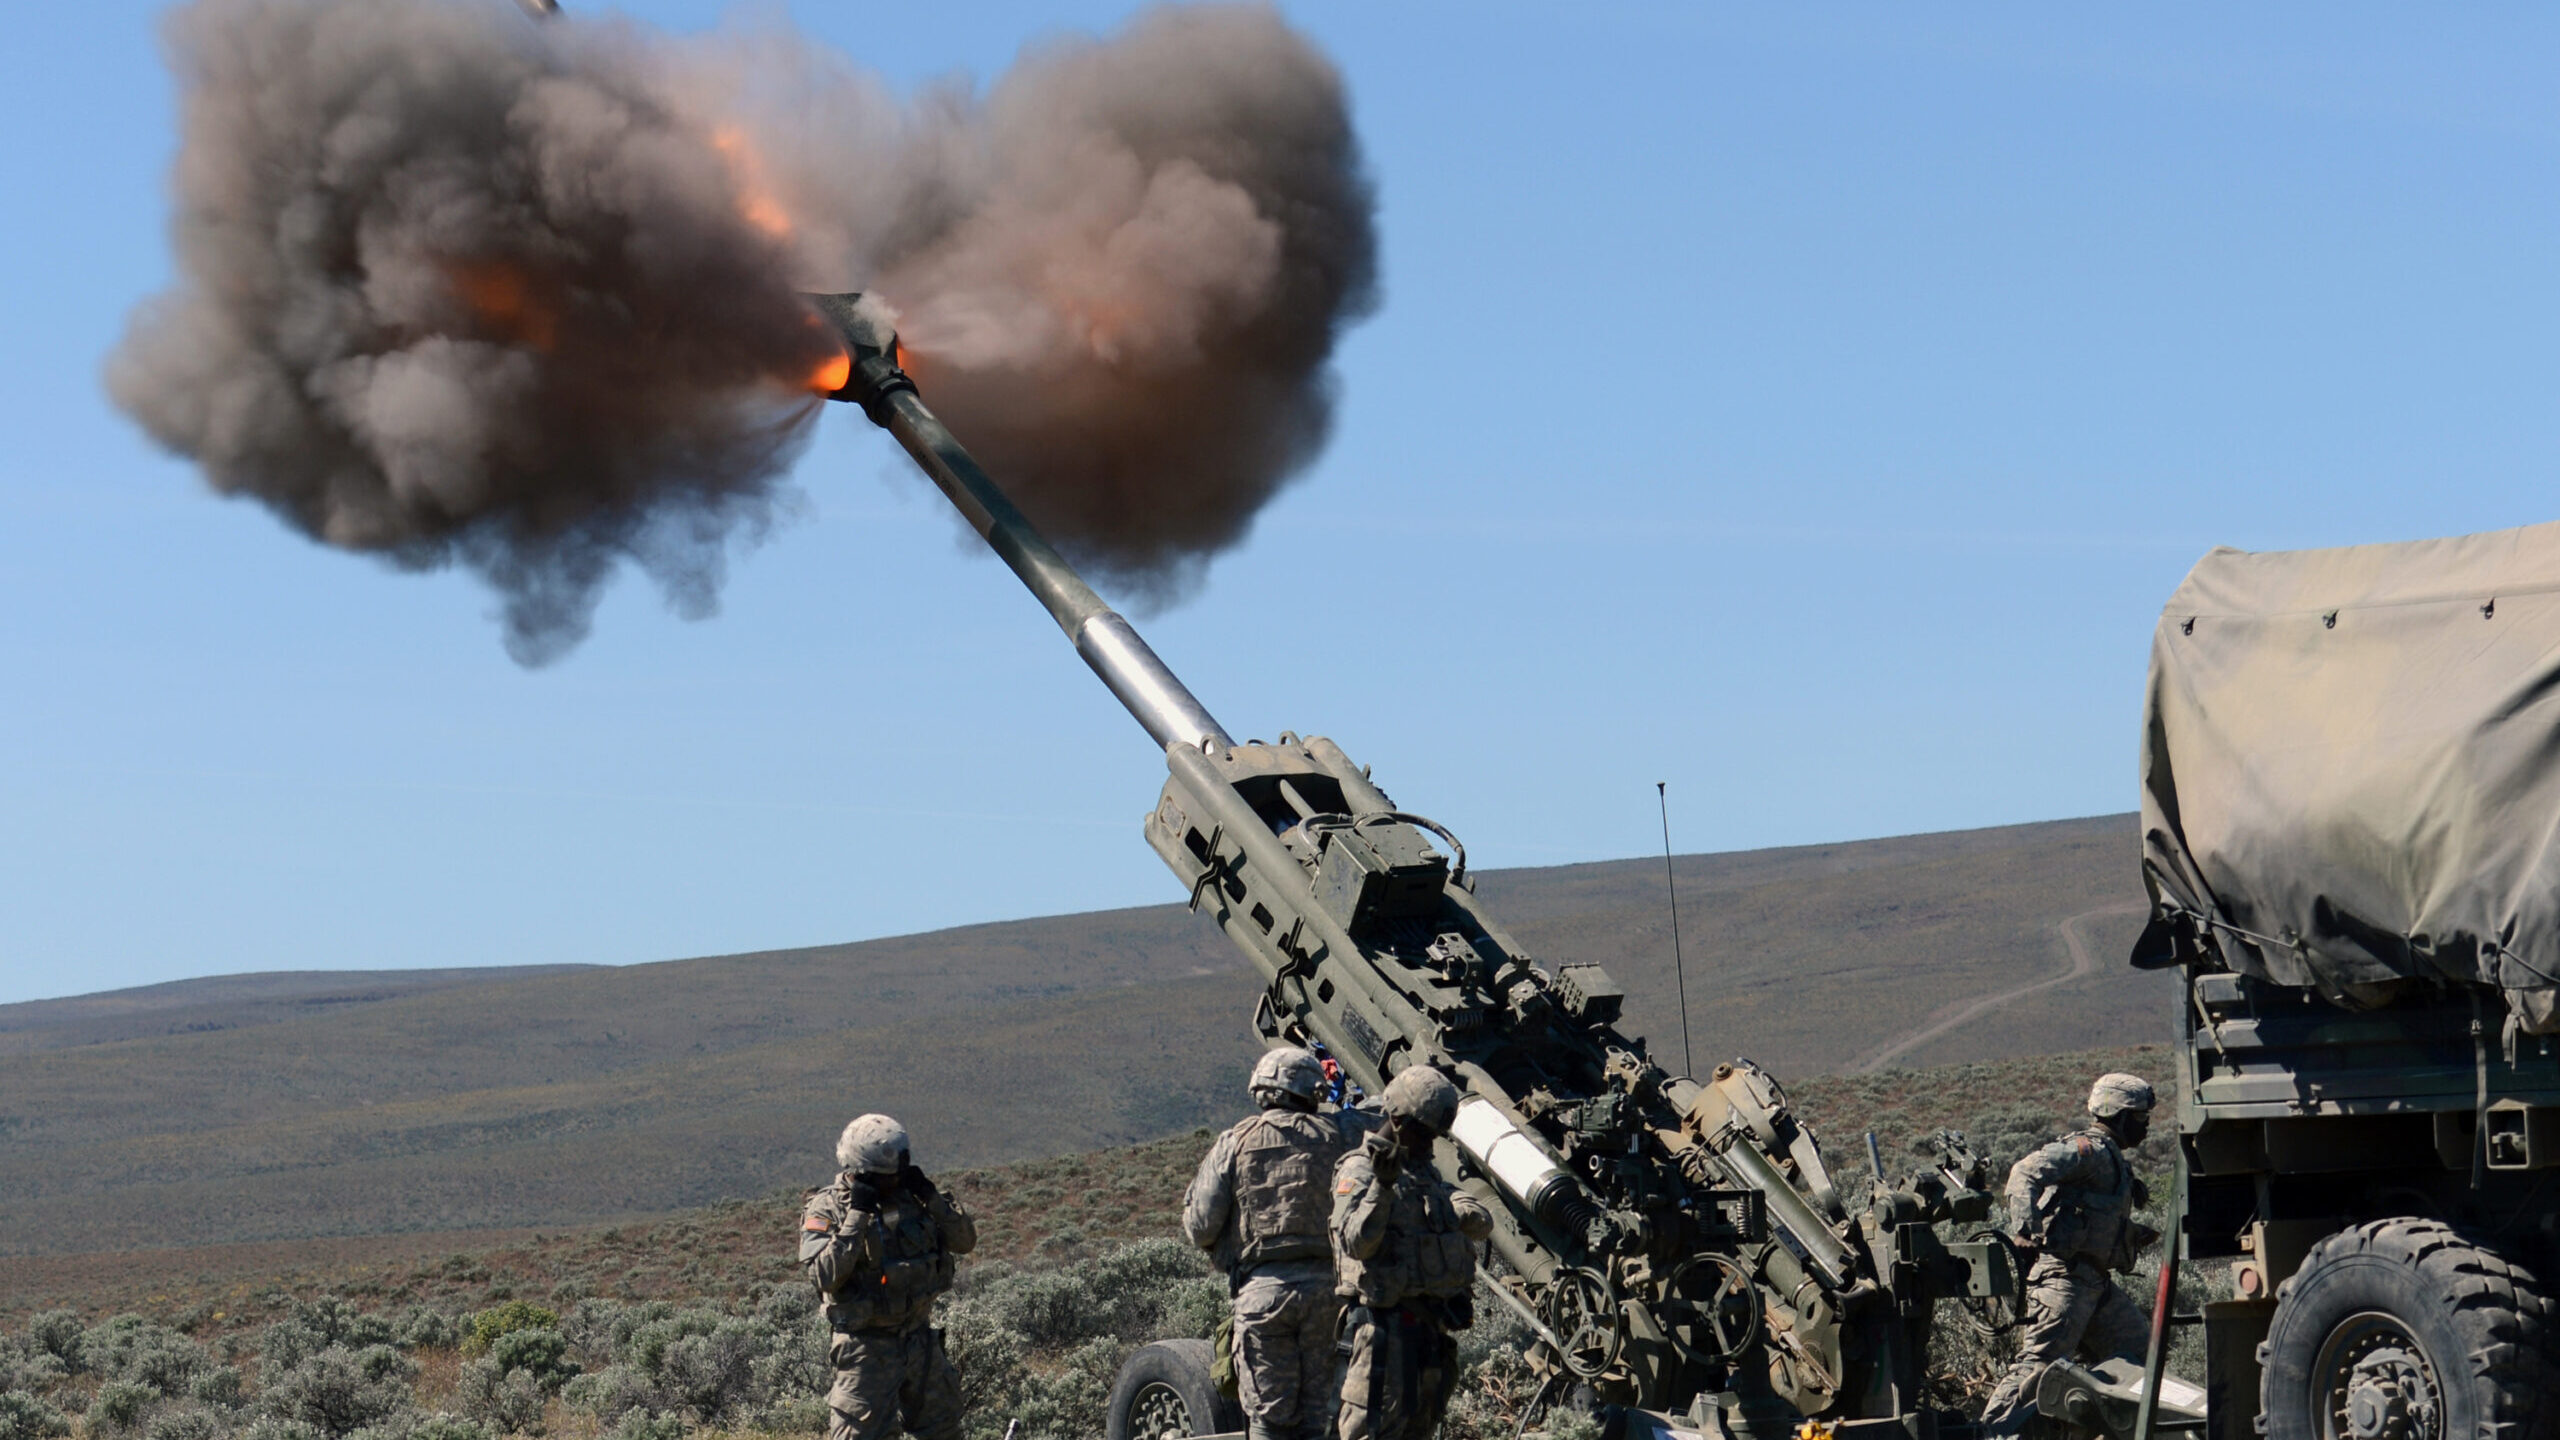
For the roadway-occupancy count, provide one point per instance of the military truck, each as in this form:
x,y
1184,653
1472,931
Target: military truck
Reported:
x,y
1676,1244
2351,836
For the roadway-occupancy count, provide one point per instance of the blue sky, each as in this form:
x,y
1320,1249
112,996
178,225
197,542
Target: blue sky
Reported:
x,y
1807,407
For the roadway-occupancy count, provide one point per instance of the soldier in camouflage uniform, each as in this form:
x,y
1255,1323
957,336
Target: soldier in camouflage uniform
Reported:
x,y
880,1243
2072,1204
1403,1247
1259,1206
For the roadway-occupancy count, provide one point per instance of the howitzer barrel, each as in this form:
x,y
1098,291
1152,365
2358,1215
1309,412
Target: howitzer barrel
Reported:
x,y
1108,643
1644,1215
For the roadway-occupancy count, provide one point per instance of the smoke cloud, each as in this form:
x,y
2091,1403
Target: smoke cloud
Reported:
x,y
459,288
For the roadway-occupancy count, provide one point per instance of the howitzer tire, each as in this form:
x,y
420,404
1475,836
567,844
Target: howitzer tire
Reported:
x,y
2405,1330
1165,1392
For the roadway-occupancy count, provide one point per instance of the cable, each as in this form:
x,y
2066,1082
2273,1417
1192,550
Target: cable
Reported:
x,y
1679,970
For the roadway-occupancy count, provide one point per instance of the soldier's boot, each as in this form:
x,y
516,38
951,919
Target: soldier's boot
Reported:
x,y
2014,1402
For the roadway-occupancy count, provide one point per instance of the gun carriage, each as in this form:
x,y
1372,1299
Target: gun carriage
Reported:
x,y
1677,1244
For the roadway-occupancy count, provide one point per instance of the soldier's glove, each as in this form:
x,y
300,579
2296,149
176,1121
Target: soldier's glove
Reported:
x,y
913,1181
1386,1157
863,1194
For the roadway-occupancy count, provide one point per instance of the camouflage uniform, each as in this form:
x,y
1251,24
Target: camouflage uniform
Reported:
x,y
1404,1255
878,1260
2073,1201
1259,1206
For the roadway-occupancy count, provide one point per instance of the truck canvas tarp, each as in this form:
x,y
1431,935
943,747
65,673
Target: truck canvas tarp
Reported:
x,y
2351,766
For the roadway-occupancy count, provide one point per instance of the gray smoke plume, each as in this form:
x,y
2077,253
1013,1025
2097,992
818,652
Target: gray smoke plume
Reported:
x,y
455,287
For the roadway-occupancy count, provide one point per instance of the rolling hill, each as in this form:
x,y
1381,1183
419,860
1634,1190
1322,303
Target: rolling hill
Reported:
x,y
267,1108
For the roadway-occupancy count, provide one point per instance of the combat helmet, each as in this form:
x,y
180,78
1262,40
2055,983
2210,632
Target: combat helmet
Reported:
x,y
1424,1096
2116,1092
1287,1070
873,1145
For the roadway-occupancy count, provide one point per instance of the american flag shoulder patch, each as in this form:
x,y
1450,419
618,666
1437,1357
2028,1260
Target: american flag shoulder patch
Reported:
x,y
817,1223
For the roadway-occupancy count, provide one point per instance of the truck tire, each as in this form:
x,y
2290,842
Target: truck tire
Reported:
x,y
2405,1330
1165,1392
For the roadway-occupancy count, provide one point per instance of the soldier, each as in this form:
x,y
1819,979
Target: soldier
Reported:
x,y
1404,1254
879,1244
1259,1206
2072,1205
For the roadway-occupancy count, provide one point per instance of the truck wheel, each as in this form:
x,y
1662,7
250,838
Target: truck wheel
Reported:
x,y
2404,1330
1165,1392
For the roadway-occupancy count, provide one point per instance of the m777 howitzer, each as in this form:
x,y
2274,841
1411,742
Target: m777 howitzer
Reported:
x,y
1676,1245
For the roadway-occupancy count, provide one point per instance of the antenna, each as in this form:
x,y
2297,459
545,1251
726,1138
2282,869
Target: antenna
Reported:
x,y
1679,970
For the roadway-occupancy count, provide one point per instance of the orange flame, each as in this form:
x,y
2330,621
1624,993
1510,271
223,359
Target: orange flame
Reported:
x,y
502,298
756,200
832,374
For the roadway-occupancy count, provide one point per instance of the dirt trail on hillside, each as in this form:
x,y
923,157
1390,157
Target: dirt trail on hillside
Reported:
x,y
2082,964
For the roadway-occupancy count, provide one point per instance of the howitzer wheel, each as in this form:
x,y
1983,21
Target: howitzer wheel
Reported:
x,y
1581,1307
1165,1393
1711,1309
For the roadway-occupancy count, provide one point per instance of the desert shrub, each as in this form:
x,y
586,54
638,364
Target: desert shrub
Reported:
x,y
1964,1363
715,1366
486,1327
423,1327
1044,1345
57,1333
217,1385
419,1425
1494,1381
783,1303
607,1330
1065,1400
1137,1292
183,1424
713,1375
441,1426
793,1374
543,1354
120,1405
337,1391
313,1326
642,1425
24,1417
1563,1423
1489,1397
25,1366
612,1392
589,1328
137,1351
270,1427
645,1345
1497,1330
991,1361
805,1415
508,1401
